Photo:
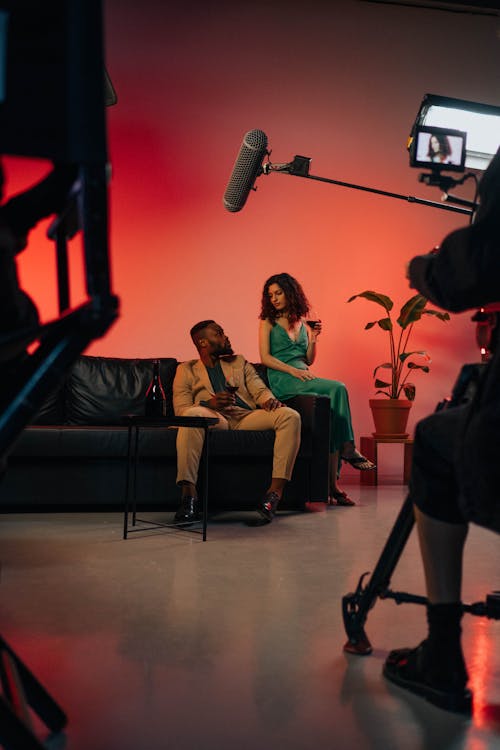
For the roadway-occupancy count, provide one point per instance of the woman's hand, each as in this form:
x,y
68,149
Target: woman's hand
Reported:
x,y
301,374
316,330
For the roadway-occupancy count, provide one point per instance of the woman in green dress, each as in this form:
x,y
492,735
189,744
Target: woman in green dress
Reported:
x,y
287,342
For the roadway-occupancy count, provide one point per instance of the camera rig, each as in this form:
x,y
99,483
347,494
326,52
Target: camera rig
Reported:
x,y
52,106
357,605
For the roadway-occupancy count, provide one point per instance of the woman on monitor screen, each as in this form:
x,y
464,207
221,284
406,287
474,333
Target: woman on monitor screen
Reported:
x,y
439,148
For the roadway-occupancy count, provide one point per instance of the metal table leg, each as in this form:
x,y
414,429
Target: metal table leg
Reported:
x,y
128,481
205,482
134,425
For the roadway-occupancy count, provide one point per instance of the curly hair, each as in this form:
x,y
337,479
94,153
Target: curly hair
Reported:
x,y
297,302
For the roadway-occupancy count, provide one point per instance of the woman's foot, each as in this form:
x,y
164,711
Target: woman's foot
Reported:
x,y
341,498
357,460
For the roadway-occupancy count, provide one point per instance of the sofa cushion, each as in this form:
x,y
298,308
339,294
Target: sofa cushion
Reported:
x,y
52,410
71,441
112,442
103,389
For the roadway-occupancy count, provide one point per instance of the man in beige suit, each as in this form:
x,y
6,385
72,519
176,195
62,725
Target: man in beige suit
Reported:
x,y
200,389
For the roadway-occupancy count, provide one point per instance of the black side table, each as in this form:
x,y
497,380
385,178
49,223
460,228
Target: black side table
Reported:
x,y
134,425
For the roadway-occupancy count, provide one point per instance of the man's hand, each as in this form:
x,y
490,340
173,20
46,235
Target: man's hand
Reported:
x,y
221,400
272,404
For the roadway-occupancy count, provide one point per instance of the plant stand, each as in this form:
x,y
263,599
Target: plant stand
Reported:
x,y
368,447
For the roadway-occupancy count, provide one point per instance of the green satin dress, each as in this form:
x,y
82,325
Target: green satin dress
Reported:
x,y
285,386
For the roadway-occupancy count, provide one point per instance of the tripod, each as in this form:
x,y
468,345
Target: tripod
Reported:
x,y
54,109
20,690
356,605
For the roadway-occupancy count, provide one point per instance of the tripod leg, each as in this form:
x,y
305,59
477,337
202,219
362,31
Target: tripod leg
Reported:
x,y
355,607
33,691
14,733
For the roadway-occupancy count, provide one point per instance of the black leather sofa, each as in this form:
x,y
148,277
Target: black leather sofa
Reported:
x,y
74,456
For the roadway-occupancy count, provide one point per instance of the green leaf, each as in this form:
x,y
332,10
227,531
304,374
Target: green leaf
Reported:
x,y
405,355
441,315
370,325
385,324
386,365
411,311
383,393
409,390
381,384
380,299
413,366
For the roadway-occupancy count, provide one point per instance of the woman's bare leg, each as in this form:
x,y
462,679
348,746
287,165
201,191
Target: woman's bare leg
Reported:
x,y
337,496
441,547
334,471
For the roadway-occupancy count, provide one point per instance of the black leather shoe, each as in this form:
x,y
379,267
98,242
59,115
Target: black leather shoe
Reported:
x,y
267,508
443,685
187,511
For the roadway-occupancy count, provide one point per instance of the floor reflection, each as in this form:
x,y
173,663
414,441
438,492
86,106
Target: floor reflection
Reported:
x,y
166,641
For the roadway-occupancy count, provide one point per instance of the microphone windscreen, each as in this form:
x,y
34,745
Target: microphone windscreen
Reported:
x,y
247,168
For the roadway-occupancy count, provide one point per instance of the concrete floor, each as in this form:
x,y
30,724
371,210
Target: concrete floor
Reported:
x,y
165,641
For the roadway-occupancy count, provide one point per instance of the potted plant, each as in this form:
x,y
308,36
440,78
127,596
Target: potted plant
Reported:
x,y
391,415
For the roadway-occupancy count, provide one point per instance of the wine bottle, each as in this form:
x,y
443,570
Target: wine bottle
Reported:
x,y
156,403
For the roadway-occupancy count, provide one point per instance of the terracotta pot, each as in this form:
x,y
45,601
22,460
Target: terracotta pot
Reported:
x,y
390,416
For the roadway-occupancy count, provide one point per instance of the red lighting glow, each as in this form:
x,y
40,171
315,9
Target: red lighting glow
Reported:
x,y
479,663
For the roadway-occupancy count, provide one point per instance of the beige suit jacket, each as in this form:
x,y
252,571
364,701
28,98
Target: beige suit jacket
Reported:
x,y
192,384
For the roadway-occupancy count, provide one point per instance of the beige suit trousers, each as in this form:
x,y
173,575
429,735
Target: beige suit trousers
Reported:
x,y
284,421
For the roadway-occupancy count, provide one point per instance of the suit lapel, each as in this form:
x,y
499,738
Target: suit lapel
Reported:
x,y
201,373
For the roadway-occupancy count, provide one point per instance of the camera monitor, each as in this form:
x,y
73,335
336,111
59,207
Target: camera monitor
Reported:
x,y
438,148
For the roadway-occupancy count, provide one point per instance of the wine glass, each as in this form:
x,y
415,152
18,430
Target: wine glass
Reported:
x,y
232,381
312,318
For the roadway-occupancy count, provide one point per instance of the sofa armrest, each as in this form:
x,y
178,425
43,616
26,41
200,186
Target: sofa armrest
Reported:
x,y
315,440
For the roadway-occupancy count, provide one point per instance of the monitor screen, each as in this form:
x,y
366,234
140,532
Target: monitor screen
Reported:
x,y
438,148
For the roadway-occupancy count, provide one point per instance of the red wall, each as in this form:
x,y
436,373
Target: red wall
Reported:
x,y
339,82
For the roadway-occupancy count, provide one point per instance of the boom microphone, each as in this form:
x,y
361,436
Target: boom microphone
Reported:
x,y
247,167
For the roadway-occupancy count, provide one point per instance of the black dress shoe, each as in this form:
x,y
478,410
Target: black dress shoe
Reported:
x,y
267,508
187,511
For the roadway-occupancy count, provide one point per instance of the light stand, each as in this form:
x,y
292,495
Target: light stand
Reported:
x,y
54,109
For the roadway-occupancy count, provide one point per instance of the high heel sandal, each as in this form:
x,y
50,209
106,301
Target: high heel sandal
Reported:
x,y
359,462
341,498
